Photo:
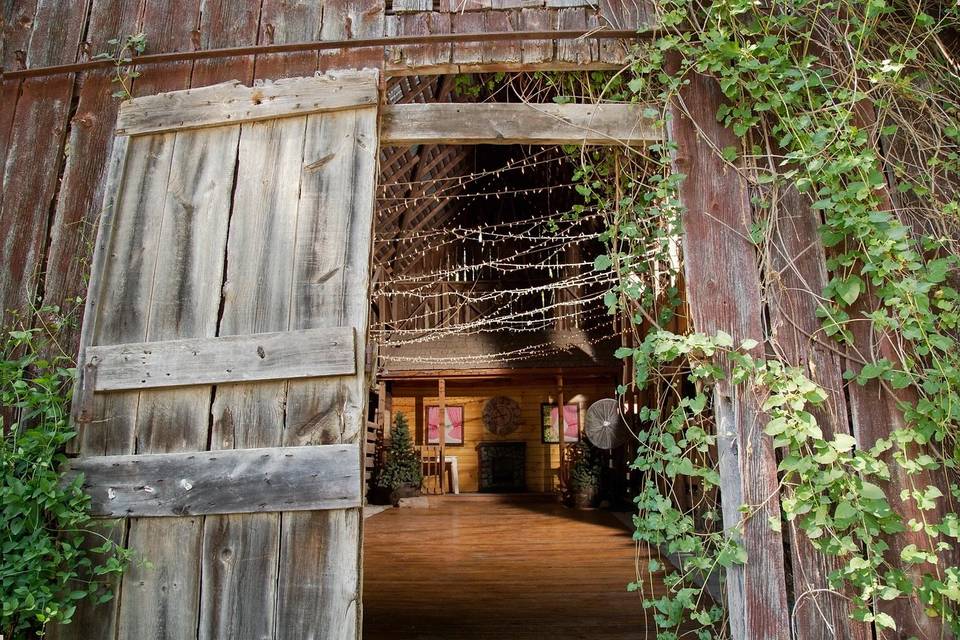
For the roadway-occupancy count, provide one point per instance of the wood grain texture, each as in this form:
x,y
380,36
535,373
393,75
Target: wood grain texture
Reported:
x,y
284,21
467,22
118,307
723,290
536,51
89,146
521,123
579,51
170,25
183,303
796,274
198,361
234,103
34,136
231,481
504,51
348,19
256,299
226,23
319,570
459,569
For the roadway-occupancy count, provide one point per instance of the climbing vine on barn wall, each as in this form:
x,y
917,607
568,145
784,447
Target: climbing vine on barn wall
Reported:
x,y
846,102
854,104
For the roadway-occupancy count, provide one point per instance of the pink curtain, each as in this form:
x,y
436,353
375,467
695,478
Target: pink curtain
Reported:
x,y
454,425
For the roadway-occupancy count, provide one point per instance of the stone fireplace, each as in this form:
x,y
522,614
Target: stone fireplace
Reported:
x,y
502,466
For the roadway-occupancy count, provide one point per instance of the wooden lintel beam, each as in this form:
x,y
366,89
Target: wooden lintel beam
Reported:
x,y
521,123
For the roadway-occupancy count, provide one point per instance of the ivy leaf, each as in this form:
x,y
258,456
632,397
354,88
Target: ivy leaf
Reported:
x,y
849,289
602,262
884,620
843,442
871,491
723,339
845,511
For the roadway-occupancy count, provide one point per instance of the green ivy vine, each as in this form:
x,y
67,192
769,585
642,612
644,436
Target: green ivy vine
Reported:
x,y
856,105
52,557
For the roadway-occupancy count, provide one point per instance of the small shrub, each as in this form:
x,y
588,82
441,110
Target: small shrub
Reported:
x,y
47,564
586,470
403,464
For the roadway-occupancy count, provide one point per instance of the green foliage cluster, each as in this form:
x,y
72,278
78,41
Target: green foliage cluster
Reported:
x,y
402,466
47,562
121,55
839,100
587,467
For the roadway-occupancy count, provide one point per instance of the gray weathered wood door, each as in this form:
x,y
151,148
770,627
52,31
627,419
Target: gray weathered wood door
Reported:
x,y
222,391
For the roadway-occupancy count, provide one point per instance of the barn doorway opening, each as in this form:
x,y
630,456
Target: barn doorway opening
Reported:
x,y
493,344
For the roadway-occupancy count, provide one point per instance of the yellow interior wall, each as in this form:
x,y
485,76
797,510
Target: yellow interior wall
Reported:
x,y
543,460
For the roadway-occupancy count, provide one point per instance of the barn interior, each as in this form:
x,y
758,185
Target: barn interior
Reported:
x,y
490,330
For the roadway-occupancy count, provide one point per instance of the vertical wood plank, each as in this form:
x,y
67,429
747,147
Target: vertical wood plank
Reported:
x,y
348,19
256,298
99,621
89,146
875,414
319,588
170,26
501,51
318,583
16,27
34,147
226,23
467,52
184,303
414,24
572,51
239,555
288,21
796,275
723,290
116,311
536,51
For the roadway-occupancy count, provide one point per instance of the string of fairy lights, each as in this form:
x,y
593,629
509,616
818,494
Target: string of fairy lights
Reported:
x,y
533,275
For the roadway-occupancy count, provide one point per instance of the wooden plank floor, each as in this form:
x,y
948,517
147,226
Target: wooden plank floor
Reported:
x,y
487,567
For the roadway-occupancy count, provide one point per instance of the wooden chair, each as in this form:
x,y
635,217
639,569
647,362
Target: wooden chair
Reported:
x,y
432,468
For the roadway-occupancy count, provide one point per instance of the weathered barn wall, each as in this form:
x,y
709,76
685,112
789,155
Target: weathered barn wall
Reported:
x,y
543,460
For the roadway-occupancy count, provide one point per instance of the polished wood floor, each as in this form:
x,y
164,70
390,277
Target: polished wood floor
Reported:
x,y
486,567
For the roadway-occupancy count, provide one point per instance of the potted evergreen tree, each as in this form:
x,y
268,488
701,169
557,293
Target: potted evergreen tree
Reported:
x,y
585,475
401,474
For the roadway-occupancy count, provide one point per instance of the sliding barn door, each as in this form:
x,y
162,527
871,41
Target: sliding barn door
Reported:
x,y
222,391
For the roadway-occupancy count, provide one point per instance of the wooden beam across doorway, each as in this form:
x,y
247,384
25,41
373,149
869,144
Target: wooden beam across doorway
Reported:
x,y
517,123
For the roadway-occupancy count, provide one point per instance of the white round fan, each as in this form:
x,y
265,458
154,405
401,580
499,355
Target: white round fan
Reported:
x,y
604,426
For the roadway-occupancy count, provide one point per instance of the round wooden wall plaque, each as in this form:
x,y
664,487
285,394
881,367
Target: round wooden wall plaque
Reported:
x,y
501,415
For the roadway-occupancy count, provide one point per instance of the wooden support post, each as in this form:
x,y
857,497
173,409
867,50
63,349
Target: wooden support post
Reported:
x,y
442,431
723,291
560,435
